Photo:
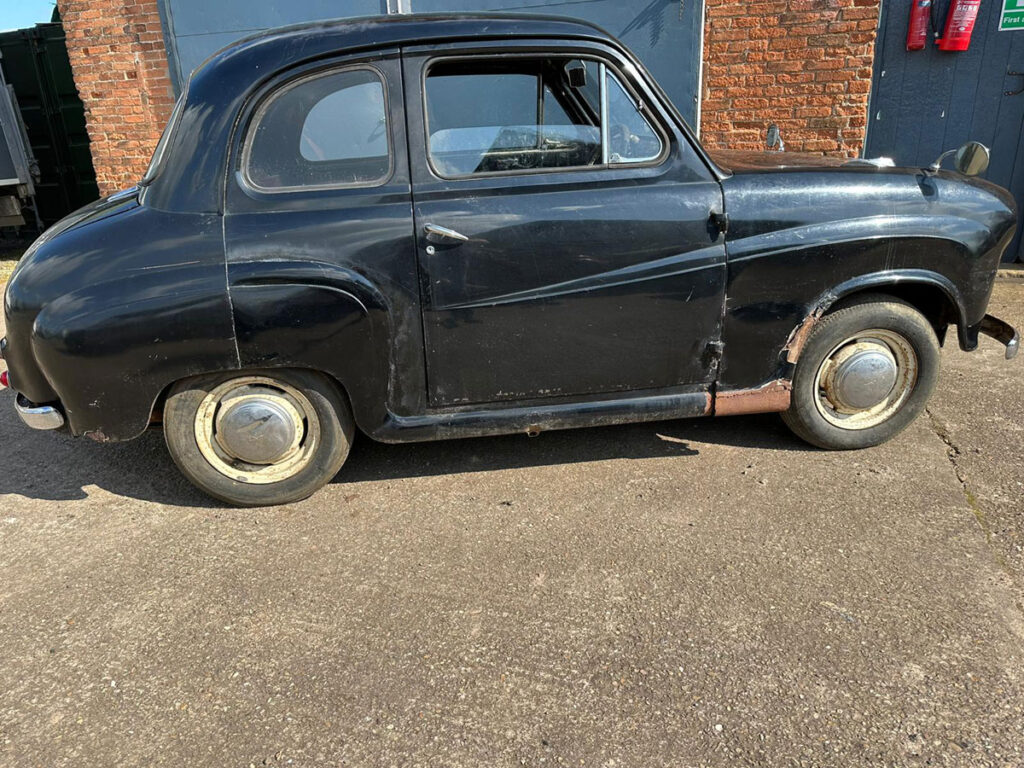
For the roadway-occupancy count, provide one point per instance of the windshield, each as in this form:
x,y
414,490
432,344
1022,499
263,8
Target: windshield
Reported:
x,y
165,139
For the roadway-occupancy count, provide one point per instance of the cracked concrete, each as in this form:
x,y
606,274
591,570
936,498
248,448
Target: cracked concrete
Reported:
x,y
942,432
985,443
698,593
953,453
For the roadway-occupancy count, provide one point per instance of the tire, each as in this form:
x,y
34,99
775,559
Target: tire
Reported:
x,y
298,423
878,325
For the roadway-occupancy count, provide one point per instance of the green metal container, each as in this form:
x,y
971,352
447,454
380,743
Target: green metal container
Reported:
x,y
35,62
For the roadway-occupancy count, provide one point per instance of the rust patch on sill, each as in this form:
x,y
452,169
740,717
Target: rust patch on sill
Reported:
x,y
769,398
798,338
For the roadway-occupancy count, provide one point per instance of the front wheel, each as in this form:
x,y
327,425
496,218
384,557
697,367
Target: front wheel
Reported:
x,y
864,375
258,439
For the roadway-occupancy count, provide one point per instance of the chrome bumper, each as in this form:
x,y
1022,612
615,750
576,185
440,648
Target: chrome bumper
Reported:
x,y
38,416
1002,332
45,417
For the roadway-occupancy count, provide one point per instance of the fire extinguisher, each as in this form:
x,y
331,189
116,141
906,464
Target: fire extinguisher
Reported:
x,y
959,25
917,32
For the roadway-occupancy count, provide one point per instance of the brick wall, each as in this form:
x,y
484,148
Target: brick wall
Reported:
x,y
802,64
119,62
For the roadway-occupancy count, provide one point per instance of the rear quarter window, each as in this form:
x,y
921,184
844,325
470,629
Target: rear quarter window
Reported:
x,y
329,130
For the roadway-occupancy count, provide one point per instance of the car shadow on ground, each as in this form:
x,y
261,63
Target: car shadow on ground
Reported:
x,y
54,466
372,461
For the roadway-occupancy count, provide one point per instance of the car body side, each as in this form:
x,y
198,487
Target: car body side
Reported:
x,y
120,301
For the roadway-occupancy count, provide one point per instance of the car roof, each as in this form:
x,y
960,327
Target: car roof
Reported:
x,y
408,26
366,33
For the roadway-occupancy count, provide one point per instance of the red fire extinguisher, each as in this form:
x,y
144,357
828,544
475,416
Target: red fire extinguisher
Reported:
x,y
959,25
917,32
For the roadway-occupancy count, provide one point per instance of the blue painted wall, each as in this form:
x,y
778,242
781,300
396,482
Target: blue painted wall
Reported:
x,y
665,34
925,102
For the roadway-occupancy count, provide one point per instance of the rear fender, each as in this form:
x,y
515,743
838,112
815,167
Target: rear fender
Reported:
x,y
293,314
109,360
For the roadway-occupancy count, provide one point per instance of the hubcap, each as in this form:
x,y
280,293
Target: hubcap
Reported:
x,y
255,429
866,379
861,376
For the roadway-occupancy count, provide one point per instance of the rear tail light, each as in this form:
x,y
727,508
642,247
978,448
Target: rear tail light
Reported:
x,y
5,380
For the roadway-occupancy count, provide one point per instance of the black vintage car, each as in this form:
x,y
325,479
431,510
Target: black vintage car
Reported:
x,y
441,227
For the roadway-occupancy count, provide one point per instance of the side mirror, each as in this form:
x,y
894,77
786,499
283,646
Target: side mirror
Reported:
x,y
774,138
972,158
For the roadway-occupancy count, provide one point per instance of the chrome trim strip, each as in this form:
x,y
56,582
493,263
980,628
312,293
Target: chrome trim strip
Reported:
x,y
605,128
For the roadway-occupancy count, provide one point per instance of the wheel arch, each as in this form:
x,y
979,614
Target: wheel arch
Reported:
x,y
321,318
291,314
930,293
110,348
156,411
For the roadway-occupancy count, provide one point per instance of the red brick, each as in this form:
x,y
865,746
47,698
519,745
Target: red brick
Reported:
x,y
813,79
119,44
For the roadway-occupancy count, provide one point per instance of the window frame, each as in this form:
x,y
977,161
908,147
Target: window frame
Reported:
x,y
156,163
605,67
606,141
266,100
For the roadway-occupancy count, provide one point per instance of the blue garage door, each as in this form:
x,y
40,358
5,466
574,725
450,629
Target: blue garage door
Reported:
x,y
666,34
925,102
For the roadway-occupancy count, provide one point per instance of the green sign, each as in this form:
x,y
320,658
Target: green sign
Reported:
x,y
1012,16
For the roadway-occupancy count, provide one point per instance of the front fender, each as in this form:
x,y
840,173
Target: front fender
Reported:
x,y
797,235
775,296
945,297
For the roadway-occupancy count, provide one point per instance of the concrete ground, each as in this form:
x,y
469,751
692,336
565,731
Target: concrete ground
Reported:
x,y
678,594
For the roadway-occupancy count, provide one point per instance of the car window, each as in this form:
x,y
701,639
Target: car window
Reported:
x,y
589,90
631,138
329,130
553,113
524,115
491,116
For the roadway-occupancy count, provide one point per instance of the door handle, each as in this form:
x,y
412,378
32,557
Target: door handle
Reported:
x,y
438,234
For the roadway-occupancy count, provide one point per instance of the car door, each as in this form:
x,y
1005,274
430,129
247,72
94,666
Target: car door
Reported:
x,y
318,207
563,224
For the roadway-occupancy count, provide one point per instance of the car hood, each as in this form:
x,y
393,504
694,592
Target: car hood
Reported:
x,y
744,161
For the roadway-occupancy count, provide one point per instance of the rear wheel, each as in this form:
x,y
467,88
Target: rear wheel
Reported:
x,y
864,375
258,439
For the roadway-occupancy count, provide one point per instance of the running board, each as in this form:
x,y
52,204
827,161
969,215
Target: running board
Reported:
x,y
532,420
